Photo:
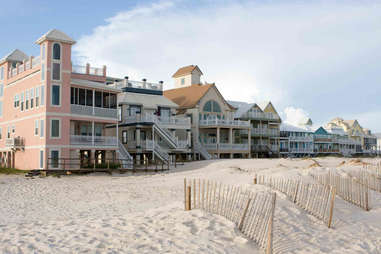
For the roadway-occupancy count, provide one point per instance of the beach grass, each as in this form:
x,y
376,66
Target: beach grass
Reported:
x,y
12,171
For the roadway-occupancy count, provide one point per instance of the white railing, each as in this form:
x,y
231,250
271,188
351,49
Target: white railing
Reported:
x,y
96,71
261,115
210,146
93,140
78,69
224,122
124,153
236,147
265,132
322,137
137,84
36,61
94,111
176,121
15,142
301,150
301,138
155,147
182,144
202,150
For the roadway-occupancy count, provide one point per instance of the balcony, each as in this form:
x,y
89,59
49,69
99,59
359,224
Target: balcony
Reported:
x,y
87,70
97,141
94,111
167,122
26,65
224,123
268,132
226,147
126,84
301,138
261,116
301,150
15,143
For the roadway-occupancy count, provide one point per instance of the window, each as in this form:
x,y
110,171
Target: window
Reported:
x,y
98,130
31,98
165,112
36,127
133,110
37,96
1,108
1,89
55,128
56,51
56,71
42,72
183,81
1,133
42,95
124,137
42,128
1,73
9,132
54,158
26,99
41,158
43,52
73,95
89,98
98,99
22,101
56,95
82,96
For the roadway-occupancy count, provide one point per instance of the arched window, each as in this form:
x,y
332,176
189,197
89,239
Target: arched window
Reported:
x,y
212,106
56,51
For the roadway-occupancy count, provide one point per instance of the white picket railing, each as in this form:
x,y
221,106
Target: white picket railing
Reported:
x,y
94,111
224,122
93,141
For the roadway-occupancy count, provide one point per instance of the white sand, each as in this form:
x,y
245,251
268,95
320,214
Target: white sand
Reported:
x,y
144,213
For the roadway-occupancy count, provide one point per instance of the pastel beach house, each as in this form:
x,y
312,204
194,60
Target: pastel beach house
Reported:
x,y
53,113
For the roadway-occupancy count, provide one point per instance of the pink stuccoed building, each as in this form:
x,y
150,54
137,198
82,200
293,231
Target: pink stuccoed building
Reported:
x,y
54,113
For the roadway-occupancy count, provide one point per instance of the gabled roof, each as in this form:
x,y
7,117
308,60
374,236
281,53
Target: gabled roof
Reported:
x,y
350,122
186,70
15,55
187,97
146,100
56,35
321,131
242,107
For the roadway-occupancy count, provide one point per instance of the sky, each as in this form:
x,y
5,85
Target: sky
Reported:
x,y
317,59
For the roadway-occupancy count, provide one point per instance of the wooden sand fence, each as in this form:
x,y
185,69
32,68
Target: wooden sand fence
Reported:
x,y
347,188
253,213
318,200
369,178
374,168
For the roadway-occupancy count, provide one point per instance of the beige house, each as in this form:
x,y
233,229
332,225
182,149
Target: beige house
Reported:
x,y
264,127
215,132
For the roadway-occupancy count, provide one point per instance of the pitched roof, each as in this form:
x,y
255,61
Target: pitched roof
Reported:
x,y
187,97
15,55
349,122
242,107
292,128
146,100
56,35
185,71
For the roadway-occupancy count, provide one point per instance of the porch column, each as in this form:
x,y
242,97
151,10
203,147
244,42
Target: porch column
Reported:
x,y
189,138
218,142
137,135
92,130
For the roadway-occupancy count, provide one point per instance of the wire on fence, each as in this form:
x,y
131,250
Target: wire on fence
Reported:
x,y
316,199
346,188
253,213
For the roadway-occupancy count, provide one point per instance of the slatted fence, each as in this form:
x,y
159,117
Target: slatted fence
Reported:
x,y
367,177
316,199
347,188
252,212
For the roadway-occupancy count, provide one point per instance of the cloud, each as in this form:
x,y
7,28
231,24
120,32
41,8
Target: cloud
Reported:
x,y
295,116
318,55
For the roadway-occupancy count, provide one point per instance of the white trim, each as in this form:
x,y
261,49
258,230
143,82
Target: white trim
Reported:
x,y
59,130
51,95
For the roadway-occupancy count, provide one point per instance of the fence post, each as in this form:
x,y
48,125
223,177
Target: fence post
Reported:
x,y
269,248
296,191
185,194
244,214
188,199
333,193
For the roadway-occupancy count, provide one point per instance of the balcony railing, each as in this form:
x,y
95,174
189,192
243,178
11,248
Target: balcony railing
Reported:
x,y
80,140
137,84
94,111
78,69
301,150
27,65
149,118
224,123
265,132
261,116
301,138
15,143
226,146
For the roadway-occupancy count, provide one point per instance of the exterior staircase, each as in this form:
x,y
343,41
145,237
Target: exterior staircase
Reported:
x,y
199,148
158,151
166,135
126,159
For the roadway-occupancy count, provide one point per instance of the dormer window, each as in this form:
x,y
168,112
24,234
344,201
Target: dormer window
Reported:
x,y
56,51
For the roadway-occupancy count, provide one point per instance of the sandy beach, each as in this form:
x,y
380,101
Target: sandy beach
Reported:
x,y
144,213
